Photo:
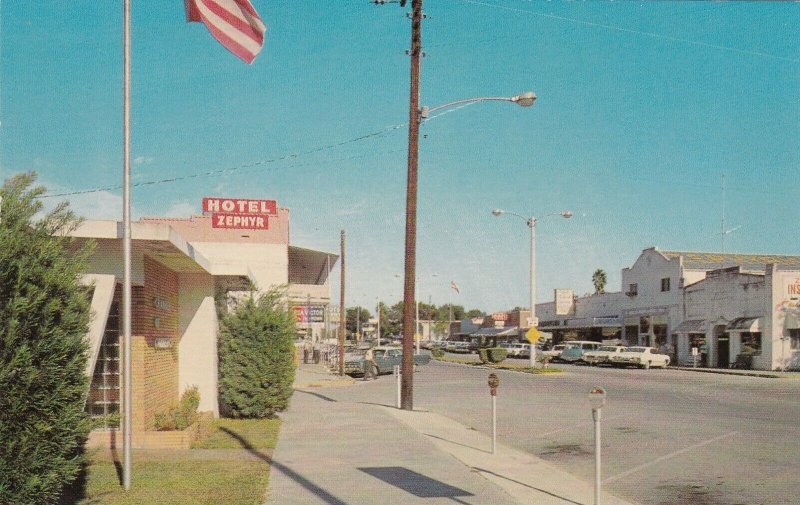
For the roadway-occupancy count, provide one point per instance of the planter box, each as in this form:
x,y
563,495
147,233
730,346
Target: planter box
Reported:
x,y
153,439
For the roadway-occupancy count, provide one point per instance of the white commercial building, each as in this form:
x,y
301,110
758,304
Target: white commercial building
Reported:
x,y
733,309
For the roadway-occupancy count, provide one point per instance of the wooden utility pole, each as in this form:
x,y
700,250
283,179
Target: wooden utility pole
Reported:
x,y
342,314
409,302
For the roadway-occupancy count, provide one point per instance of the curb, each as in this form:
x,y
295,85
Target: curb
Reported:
x,y
763,375
486,367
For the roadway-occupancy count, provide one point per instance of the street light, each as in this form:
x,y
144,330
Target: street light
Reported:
x,y
414,117
525,99
532,321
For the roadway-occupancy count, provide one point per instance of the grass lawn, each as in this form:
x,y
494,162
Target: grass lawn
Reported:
x,y
230,466
238,433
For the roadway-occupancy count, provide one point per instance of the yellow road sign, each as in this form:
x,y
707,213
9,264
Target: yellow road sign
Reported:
x,y
533,335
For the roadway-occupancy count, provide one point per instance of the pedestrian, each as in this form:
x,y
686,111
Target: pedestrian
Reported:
x,y
369,365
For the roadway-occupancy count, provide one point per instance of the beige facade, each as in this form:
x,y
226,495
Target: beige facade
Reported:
x,y
178,266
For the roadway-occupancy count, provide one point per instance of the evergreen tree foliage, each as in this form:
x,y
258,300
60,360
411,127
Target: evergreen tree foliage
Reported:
x,y
44,318
256,348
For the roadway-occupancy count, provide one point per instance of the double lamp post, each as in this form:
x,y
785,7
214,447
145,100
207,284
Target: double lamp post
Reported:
x,y
532,320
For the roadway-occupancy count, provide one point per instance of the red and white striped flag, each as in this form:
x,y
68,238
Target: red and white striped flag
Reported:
x,y
454,286
234,23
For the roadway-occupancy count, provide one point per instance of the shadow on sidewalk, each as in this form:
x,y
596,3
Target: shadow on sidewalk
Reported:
x,y
483,470
310,486
318,395
415,483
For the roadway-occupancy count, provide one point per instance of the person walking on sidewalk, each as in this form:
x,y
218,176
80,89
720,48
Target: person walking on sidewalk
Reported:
x,y
369,365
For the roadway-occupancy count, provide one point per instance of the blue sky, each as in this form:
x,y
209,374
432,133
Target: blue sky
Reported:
x,y
642,107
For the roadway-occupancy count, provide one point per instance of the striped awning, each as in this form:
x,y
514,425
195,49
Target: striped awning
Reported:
x,y
692,326
749,324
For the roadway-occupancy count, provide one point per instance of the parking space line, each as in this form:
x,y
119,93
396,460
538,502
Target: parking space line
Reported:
x,y
668,456
579,425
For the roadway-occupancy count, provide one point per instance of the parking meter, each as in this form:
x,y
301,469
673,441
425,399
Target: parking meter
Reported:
x,y
494,381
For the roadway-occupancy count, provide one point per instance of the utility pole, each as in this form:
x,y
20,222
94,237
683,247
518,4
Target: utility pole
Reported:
x,y
407,385
342,313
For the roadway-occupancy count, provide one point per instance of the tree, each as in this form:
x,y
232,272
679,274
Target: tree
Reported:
x,y
256,353
357,318
44,318
599,281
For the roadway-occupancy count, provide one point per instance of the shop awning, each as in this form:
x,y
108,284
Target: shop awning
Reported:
x,y
496,332
692,326
748,324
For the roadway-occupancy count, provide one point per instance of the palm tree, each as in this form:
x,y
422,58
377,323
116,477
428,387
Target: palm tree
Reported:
x,y
599,281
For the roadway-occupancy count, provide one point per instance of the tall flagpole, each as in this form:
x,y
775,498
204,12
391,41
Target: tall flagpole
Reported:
x,y
126,245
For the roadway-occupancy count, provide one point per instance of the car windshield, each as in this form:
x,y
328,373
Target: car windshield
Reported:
x,y
637,349
608,348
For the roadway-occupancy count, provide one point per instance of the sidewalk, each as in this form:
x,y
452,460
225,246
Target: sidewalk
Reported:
x,y
318,375
348,453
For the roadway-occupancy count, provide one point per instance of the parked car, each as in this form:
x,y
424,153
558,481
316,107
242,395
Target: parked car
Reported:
x,y
603,355
574,350
385,359
517,350
553,353
644,357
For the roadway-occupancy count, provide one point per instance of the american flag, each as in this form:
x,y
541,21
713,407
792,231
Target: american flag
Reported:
x,y
454,286
234,23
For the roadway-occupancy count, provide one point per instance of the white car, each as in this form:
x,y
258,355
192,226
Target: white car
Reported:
x,y
603,355
553,353
644,357
516,350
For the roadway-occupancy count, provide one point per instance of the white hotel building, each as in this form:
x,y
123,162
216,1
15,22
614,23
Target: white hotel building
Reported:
x,y
735,309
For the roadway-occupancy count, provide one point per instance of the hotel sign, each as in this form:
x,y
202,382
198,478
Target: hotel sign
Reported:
x,y
240,213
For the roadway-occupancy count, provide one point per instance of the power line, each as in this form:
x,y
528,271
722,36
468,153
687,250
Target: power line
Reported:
x,y
635,32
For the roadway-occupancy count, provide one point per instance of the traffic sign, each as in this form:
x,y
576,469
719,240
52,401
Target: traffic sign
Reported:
x,y
533,335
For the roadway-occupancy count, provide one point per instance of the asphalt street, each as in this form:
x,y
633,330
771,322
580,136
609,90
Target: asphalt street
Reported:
x,y
669,437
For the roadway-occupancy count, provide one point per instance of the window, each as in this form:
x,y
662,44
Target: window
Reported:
x,y
103,401
633,290
794,339
751,343
665,284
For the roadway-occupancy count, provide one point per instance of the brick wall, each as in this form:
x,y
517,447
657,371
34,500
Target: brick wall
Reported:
x,y
154,370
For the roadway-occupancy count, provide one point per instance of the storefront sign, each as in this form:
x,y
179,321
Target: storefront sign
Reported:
x,y
240,213
317,313
565,300
792,287
500,316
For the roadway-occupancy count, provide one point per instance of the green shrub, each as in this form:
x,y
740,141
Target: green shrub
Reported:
x,y
256,370
492,354
44,318
437,352
182,416
496,354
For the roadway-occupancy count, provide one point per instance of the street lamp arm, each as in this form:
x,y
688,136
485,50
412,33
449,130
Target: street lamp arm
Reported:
x,y
524,99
